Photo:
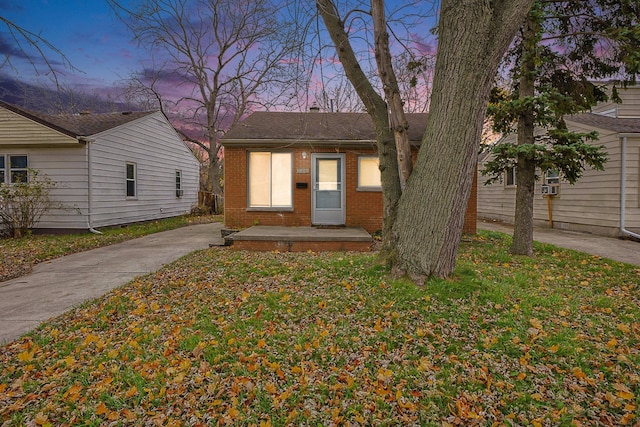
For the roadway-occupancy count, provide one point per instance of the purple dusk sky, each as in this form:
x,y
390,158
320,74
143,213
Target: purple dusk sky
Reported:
x,y
86,31
96,43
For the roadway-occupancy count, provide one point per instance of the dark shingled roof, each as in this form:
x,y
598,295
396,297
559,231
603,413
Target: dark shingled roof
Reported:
x,y
314,127
79,125
615,124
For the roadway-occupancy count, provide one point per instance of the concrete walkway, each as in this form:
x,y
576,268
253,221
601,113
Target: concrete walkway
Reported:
x,y
60,284
607,247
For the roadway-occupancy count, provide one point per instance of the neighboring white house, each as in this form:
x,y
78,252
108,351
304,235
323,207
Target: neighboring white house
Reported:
x,y
601,202
110,169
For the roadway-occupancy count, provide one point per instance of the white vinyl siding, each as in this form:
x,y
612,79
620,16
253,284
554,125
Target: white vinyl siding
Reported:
x,y
592,204
157,151
270,180
369,173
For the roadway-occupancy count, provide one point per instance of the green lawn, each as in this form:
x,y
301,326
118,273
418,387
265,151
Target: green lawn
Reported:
x,y
20,255
238,338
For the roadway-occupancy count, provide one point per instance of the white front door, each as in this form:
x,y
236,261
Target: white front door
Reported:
x,y
327,193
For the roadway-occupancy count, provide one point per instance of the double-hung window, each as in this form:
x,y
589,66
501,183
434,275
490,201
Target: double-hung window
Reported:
x,y
510,177
179,191
369,173
13,169
270,179
131,179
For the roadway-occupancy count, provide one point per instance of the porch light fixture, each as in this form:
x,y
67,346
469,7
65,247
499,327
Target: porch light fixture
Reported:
x,y
304,155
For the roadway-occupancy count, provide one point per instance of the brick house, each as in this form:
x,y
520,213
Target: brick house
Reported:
x,y
303,169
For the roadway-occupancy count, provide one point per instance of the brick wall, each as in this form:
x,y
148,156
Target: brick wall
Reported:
x,y
363,208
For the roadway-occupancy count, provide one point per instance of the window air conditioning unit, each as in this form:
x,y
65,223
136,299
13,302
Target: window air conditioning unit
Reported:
x,y
179,193
549,190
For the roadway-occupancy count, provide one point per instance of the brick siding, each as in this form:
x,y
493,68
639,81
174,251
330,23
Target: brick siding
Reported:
x,y
363,208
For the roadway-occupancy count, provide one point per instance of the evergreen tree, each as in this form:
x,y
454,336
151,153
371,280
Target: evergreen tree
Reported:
x,y
562,48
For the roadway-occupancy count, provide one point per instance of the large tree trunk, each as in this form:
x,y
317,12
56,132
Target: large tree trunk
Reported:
x,y
473,37
377,109
522,243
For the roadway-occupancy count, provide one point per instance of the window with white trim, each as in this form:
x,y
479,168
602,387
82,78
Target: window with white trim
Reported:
x,y
270,179
179,191
369,173
14,168
131,179
551,177
510,177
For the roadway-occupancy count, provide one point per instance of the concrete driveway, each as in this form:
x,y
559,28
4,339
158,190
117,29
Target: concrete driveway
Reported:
x,y
60,284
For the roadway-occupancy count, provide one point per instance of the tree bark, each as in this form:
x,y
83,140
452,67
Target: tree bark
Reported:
x,y
377,109
473,37
522,243
397,117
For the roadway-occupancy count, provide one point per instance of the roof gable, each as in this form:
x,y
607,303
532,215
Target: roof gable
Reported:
x,y
615,124
314,127
78,125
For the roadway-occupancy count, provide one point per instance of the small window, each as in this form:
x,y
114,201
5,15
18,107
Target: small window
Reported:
x,y
179,184
552,177
270,180
3,169
131,180
510,177
369,173
18,169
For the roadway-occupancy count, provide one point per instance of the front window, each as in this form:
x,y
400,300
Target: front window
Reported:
x,y
131,180
270,179
369,173
178,183
510,177
14,169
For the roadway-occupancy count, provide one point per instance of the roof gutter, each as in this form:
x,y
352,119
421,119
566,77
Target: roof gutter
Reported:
x,y
87,142
623,188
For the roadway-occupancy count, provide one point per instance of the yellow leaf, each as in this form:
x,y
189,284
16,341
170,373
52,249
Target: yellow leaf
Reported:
x,y
132,391
624,328
270,388
285,298
233,413
101,409
41,419
322,304
262,343
245,296
625,395
612,343
378,325
536,323
536,423
554,348
69,361
521,376
626,419
537,396
577,372
26,356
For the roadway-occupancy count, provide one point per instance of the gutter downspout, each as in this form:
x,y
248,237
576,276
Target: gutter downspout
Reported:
x,y
623,189
88,142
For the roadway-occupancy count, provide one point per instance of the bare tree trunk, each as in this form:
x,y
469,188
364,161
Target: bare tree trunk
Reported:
x,y
398,120
522,243
473,37
377,109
